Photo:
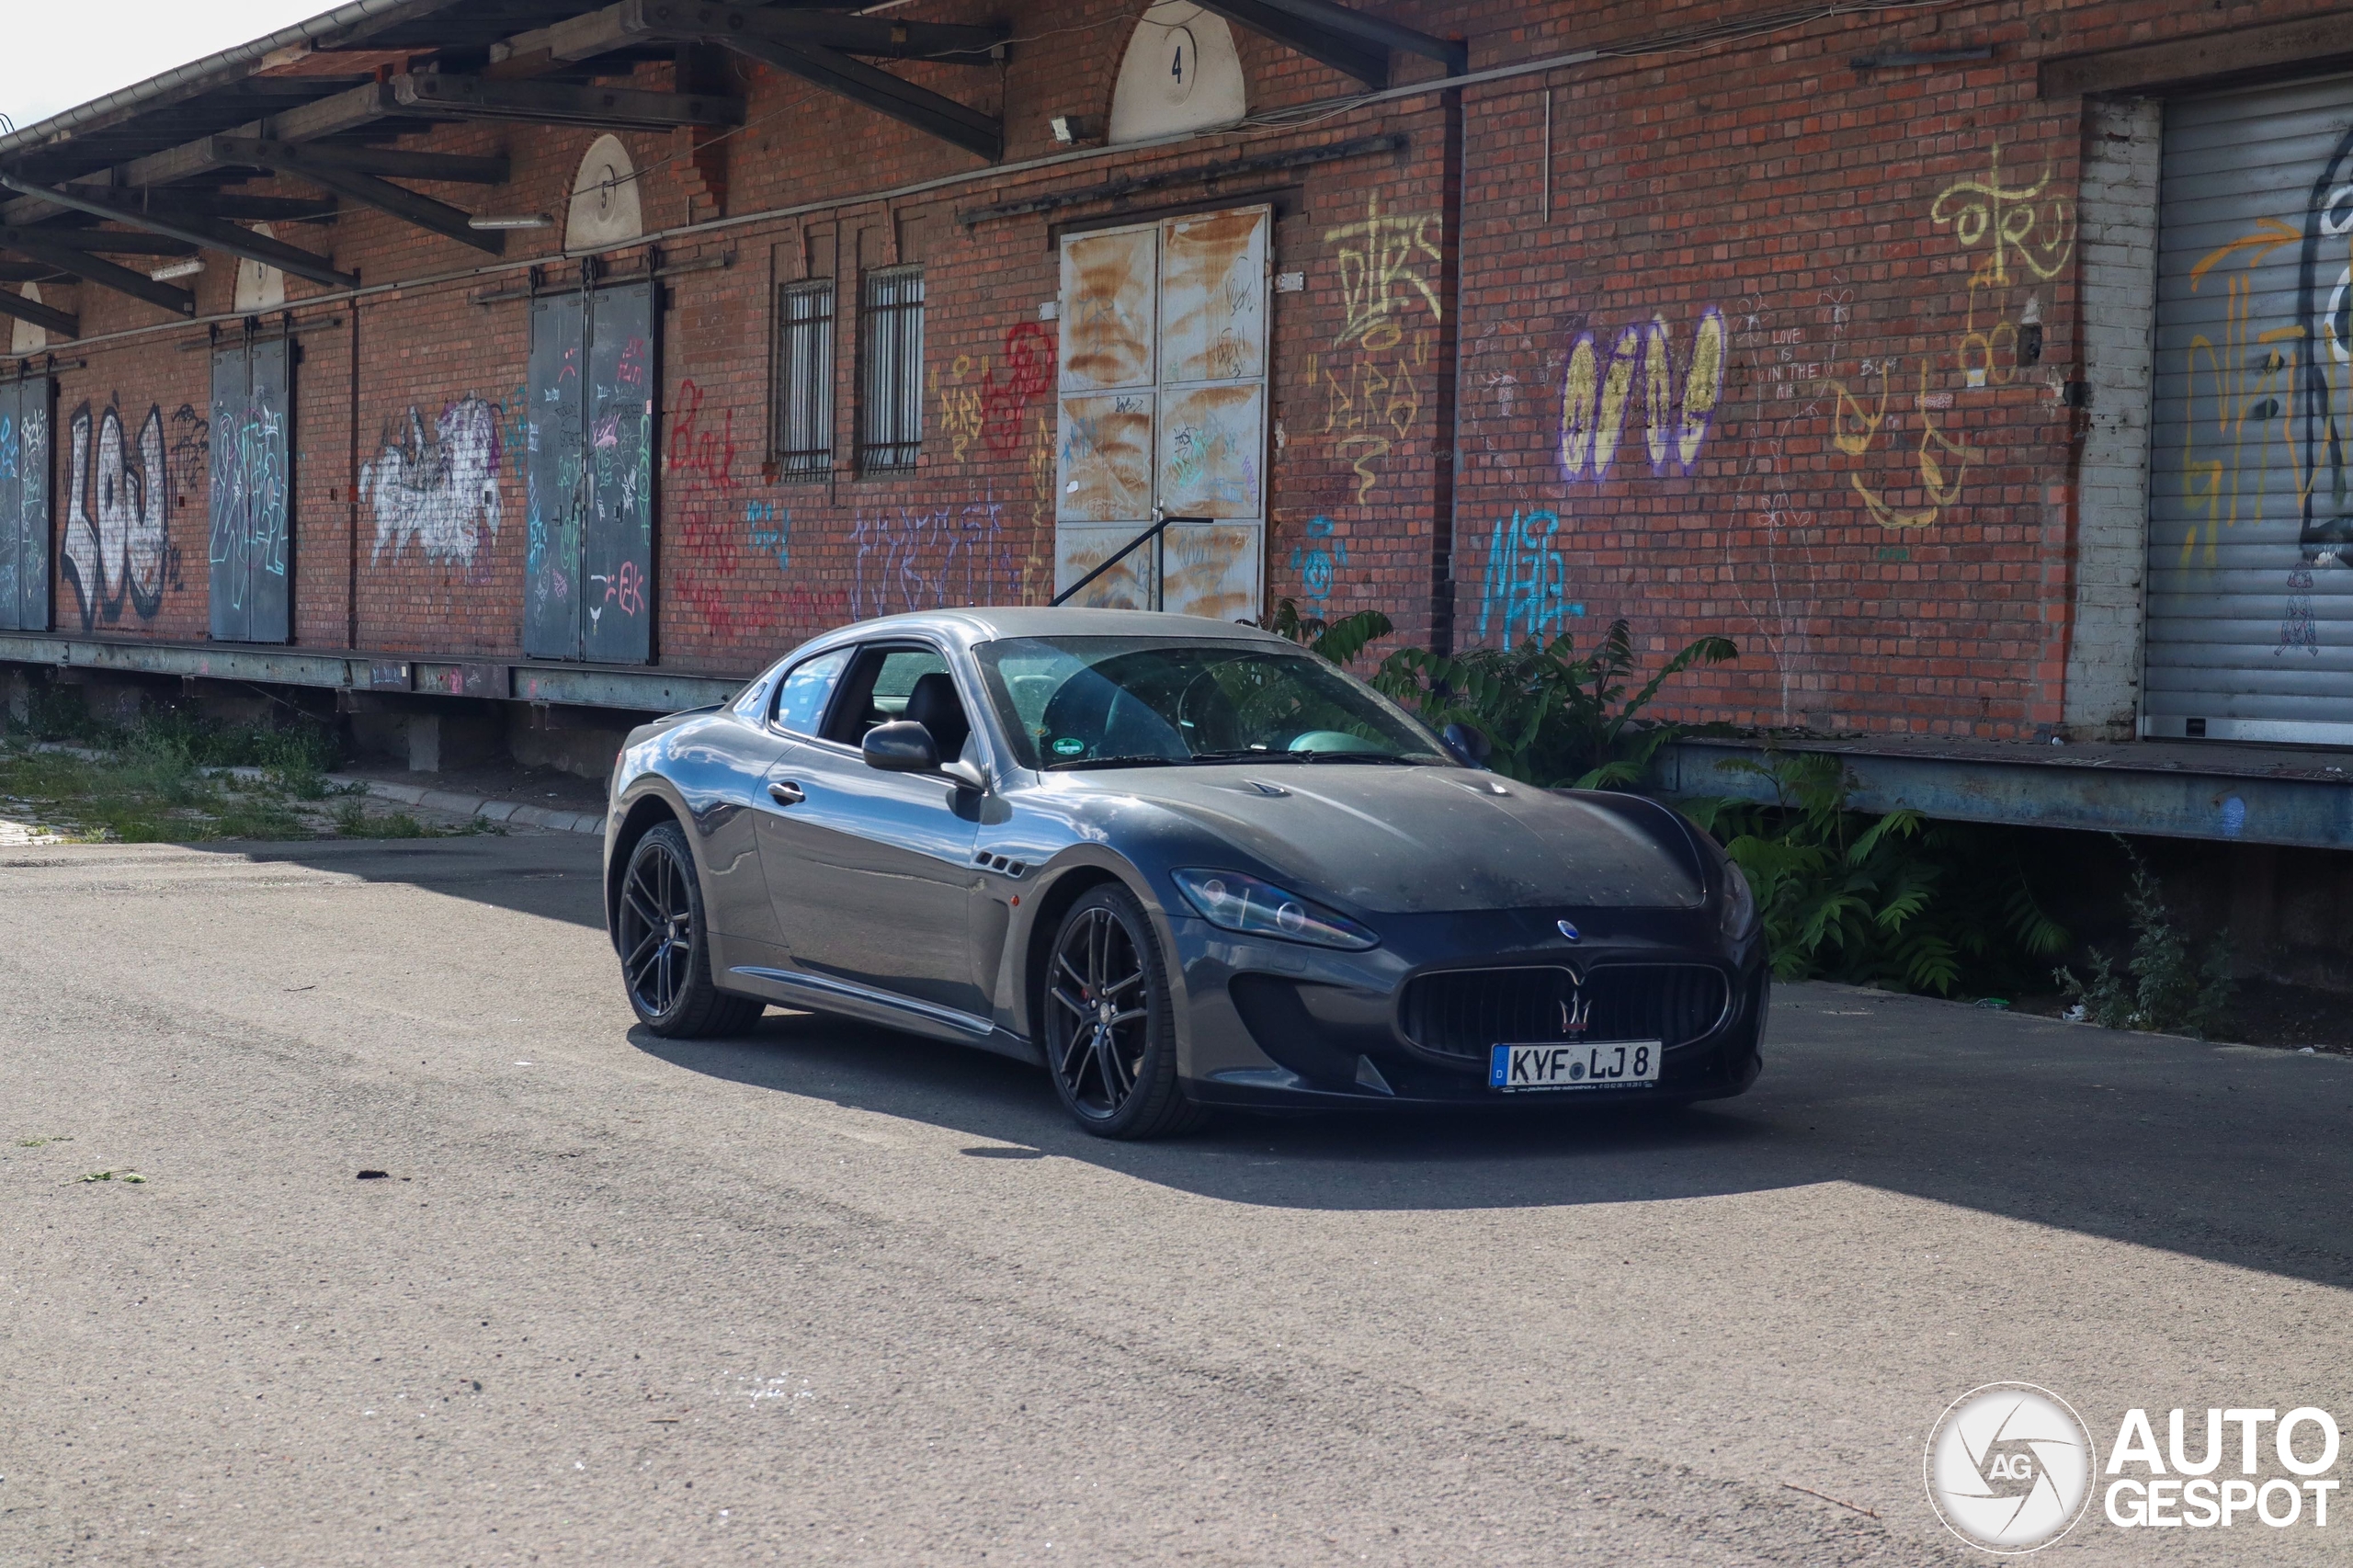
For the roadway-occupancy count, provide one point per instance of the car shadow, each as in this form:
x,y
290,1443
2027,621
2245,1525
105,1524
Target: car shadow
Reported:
x,y
2226,1152
554,875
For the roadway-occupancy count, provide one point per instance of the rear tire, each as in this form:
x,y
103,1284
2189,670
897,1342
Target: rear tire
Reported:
x,y
1108,1024
664,944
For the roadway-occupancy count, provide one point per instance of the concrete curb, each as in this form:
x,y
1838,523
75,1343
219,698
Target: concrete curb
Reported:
x,y
474,805
407,795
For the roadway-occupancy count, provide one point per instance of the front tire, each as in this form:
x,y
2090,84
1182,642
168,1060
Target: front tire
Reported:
x,y
664,944
1108,1024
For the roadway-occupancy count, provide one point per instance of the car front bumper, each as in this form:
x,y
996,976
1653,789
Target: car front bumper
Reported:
x,y
1269,1023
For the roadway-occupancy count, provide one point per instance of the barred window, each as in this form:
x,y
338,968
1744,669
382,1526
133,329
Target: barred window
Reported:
x,y
804,411
890,409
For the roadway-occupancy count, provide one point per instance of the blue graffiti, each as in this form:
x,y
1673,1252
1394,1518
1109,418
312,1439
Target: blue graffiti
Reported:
x,y
770,528
7,447
1318,564
1526,594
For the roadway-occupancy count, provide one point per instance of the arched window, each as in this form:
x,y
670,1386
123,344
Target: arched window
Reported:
x,y
1180,73
605,206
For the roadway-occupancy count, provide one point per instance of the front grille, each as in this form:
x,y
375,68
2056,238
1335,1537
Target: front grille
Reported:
x,y
1461,1013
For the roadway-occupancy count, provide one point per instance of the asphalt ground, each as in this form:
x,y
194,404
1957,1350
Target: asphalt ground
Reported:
x,y
827,1293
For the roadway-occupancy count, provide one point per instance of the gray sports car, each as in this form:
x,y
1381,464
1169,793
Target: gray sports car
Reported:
x,y
1179,864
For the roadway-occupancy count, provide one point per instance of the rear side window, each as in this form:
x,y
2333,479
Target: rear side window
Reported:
x,y
801,696
877,689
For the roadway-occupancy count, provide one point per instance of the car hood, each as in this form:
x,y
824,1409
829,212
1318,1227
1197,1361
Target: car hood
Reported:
x,y
1422,840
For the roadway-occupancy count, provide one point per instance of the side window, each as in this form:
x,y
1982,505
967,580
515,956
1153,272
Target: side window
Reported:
x,y
801,696
877,689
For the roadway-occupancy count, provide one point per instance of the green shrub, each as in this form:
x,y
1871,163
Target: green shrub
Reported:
x,y
2162,989
1553,719
1896,902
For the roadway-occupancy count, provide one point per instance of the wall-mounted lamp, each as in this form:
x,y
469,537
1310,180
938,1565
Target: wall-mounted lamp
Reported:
x,y
512,221
186,268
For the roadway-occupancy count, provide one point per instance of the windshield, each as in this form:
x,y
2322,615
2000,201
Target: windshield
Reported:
x,y
1131,701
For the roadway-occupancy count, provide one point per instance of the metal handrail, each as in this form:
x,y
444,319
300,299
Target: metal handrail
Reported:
x,y
1153,536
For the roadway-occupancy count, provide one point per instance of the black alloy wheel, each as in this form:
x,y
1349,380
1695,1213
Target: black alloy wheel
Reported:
x,y
1111,1037
664,947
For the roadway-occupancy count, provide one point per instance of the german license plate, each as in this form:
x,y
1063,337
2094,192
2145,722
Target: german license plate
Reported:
x,y
1580,1064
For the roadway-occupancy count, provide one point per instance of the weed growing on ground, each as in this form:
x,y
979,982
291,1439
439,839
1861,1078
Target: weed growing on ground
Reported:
x,y
2162,988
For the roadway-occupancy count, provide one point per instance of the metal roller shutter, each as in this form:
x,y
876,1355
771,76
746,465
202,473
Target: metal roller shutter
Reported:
x,y
2250,590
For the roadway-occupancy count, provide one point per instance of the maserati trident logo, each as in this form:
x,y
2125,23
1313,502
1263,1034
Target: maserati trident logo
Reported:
x,y
1566,929
1576,1014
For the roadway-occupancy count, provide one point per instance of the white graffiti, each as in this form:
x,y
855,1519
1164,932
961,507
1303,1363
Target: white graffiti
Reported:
x,y
440,490
124,550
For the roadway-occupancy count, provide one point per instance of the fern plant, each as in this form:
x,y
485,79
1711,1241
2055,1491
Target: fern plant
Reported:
x,y
1553,718
1897,901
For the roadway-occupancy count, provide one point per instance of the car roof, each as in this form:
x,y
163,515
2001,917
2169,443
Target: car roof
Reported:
x,y
988,623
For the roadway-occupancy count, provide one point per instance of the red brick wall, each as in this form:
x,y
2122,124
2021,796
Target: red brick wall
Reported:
x,y
1888,542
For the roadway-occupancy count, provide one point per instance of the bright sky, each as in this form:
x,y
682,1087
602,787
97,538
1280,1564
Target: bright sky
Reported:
x,y
60,55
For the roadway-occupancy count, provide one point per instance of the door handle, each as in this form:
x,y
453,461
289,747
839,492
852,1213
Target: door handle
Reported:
x,y
786,794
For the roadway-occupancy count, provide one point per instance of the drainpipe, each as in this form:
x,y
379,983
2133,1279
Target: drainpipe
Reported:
x,y
1446,478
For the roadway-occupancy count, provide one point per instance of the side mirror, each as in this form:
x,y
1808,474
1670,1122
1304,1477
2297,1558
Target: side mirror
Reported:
x,y
1466,742
900,746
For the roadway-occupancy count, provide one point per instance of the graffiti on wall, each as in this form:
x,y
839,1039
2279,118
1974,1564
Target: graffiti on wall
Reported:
x,y
978,406
192,447
1372,375
249,490
768,528
1679,409
924,557
440,490
1908,474
117,547
704,490
1318,561
1527,590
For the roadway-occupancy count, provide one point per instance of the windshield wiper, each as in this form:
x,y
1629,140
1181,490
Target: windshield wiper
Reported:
x,y
1403,759
1135,761
1245,754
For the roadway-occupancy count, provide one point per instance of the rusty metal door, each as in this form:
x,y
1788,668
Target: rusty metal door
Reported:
x,y
1163,410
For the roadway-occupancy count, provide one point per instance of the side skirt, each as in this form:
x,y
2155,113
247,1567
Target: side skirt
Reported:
x,y
823,994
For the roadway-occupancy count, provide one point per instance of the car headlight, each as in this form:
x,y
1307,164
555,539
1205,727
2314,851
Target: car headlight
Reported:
x,y
1740,903
1257,908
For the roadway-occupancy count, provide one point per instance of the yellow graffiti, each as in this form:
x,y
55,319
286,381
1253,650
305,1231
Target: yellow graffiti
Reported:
x,y
2250,376
1040,461
963,404
2027,223
1380,262
1594,396
1943,462
2028,233
1370,403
